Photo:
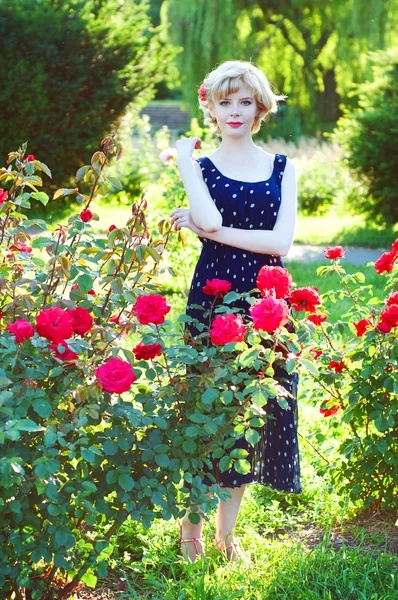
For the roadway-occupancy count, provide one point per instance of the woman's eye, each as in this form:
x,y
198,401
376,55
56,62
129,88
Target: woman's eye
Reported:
x,y
246,102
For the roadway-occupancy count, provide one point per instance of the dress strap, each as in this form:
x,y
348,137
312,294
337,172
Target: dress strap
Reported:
x,y
279,165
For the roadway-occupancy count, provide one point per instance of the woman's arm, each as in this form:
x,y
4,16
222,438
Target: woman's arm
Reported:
x,y
277,241
202,207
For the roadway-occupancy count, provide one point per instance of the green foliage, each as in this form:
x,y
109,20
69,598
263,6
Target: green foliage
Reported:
x,y
368,137
311,51
364,392
69,70
321,184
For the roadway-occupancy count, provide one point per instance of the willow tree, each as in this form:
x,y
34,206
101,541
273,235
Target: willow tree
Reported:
x,y
312,51
205,29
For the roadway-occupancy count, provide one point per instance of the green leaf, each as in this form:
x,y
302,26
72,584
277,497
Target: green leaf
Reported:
x,y
84,282
382,446
41,197
88,455
252,436
162,460
126,482
227,397
311,367
225,463
89,579
239,453
115,182
209,395
198,418
194,517
189,446
28,425
41,242
4,381
242,466
42,407
259,397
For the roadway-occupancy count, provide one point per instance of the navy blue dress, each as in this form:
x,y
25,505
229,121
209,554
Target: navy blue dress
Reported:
x,y
275,458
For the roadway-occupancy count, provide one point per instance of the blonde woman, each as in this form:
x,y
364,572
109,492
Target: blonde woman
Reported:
x,y
243,206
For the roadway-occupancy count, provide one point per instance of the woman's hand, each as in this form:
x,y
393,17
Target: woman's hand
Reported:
x,y
186,145
181,217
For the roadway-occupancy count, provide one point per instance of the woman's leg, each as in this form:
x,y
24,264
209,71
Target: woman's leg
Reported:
x,y
191,549
227,514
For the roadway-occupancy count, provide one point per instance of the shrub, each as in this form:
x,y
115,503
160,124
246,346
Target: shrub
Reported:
x,y
92,429
368,135
321,184
76,66
355,373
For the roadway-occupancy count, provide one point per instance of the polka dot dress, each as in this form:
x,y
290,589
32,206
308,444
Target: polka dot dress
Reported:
x,y
243,205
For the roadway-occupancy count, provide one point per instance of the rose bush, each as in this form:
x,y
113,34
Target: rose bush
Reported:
x,y
91,432
355,374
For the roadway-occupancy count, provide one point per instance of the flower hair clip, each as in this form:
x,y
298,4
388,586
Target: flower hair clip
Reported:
x,y
202,93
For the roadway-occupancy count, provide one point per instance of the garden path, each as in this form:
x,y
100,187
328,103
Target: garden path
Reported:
x,y
355,254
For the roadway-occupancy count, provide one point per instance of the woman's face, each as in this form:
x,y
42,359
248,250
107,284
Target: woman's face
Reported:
x,y
235,113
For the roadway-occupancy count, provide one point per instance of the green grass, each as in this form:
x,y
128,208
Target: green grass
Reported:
x,y
283,565
337,227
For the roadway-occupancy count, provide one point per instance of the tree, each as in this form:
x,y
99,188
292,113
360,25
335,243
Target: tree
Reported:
x,y
69,70
369,135
312,51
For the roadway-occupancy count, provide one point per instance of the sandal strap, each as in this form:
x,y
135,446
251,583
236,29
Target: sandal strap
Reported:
x,y
194,540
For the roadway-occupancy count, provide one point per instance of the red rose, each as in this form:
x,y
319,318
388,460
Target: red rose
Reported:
x,y
202,92
362,326
385,262
394,246
305,298
3,195
111,228
328,412
30,158
335,252
116,376
317,318
274,278
54,324
86,215
269,313
20,247
81,319
316,353
227,328
92,292
148,351
337,366
67,356
151,309
388,318
22,330
217,287
393,299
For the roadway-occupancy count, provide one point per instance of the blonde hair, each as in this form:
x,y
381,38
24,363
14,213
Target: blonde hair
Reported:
x,y
226,79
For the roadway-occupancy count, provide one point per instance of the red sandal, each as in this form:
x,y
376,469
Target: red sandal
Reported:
x,y
194,540
237,552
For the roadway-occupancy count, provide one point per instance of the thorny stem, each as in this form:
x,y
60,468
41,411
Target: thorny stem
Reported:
x,y
346,284
53,268
313,447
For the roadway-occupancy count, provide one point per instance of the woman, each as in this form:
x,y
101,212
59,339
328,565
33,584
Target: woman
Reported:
x,y
243,206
